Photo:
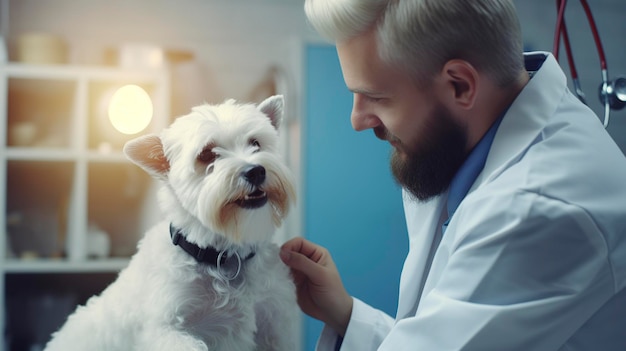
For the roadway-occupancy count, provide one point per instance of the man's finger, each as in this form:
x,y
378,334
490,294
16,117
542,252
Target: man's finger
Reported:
x,y
306,248
301,263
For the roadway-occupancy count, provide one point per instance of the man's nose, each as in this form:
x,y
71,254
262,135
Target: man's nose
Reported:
x,y
361,117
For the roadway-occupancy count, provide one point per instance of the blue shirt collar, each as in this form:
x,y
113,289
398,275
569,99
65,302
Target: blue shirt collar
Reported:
x,y
473,165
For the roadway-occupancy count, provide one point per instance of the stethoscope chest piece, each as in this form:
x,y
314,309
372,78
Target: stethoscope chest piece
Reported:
x,y
614,93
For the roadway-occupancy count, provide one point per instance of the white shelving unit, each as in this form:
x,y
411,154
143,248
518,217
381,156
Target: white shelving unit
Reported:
x,y
62,171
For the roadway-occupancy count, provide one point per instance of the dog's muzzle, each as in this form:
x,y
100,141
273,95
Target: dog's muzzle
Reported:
x,y
255,176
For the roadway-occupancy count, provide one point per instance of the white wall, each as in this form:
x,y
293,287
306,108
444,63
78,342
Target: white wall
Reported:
x,y
234,41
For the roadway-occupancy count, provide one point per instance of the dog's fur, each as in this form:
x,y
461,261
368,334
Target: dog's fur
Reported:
x,y
165,299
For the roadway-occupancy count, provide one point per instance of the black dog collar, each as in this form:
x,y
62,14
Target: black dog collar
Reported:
x,y
209,255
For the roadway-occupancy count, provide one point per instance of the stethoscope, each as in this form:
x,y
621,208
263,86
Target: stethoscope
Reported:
x,y
612,93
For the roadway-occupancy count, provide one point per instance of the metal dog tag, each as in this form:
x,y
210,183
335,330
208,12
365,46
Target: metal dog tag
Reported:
x,y
223,270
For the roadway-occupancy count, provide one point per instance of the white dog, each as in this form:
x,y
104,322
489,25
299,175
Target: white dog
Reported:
x,y
209,277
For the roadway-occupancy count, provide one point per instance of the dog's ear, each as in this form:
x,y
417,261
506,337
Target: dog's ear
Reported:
x,y
273,108
147,152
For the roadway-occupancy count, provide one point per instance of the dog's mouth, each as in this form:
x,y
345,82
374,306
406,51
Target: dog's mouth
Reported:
x,y
255,199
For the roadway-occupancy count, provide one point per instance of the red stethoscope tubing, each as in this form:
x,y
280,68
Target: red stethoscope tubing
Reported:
x,y
561,30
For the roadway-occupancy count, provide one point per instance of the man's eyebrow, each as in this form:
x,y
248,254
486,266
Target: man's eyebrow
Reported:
x,y
365,91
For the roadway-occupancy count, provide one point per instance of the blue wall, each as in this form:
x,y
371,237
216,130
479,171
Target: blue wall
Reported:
x,y
351,204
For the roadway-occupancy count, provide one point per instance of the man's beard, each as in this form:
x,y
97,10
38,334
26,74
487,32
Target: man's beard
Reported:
x,y
427,169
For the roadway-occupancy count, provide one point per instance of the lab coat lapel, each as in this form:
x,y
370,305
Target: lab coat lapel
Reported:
x,y
422,221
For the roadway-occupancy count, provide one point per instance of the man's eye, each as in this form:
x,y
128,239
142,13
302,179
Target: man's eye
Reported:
x,y
206,156
373,99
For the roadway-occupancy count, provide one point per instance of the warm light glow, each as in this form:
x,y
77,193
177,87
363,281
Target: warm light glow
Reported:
x,y
130,109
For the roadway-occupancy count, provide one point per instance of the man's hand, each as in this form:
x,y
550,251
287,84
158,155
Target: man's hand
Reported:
x,y
320,291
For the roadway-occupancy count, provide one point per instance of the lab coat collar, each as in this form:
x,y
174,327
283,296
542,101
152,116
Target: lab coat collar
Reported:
x,y
527,115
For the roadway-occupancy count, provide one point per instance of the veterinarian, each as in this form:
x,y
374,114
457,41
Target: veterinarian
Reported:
x,y
514,193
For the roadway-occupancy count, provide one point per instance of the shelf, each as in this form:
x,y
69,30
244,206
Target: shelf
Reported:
x,y
63,154
40,113
73,207
40,154
67,72
64,266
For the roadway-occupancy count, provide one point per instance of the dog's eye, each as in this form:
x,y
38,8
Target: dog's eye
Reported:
x,y
255,143
207,156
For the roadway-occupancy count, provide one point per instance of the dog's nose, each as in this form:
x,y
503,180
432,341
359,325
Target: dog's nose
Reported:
x,y
255,175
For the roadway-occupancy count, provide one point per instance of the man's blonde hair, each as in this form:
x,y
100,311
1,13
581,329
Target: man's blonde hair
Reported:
x,y
422,35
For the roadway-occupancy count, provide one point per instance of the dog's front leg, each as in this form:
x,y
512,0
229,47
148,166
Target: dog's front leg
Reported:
x,y
168,339
276,325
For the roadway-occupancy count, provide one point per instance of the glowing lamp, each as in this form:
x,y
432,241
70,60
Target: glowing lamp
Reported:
x,y
130,109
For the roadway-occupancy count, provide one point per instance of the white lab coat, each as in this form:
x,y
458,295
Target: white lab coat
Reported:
x,y
534,257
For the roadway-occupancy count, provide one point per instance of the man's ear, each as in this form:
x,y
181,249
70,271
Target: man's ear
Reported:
x,y
462,80
147,152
